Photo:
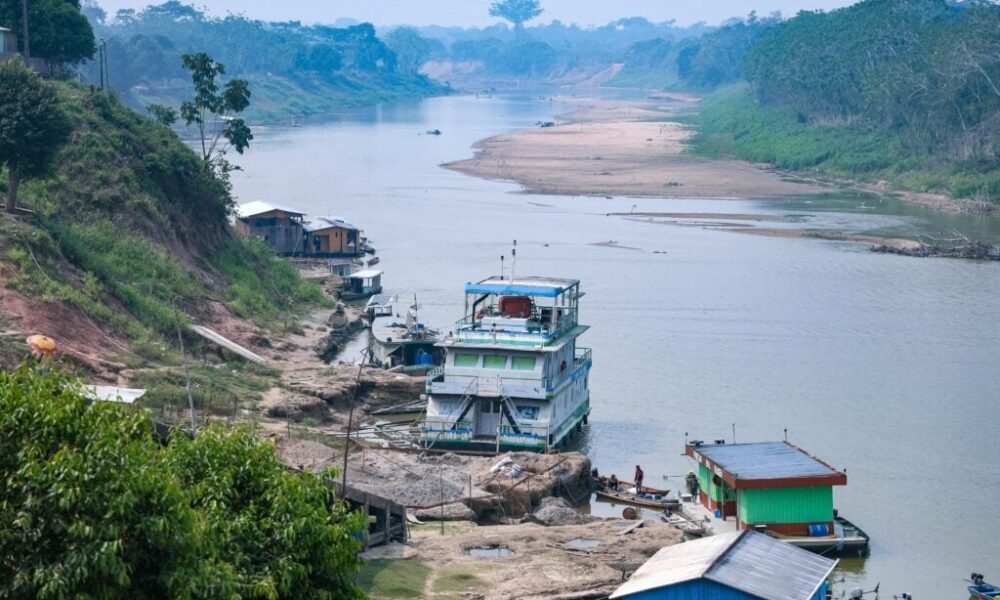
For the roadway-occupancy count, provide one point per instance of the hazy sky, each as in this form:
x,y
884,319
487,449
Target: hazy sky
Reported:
x,y
474,12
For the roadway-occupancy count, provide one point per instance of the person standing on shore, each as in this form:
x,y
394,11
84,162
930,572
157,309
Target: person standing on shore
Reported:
x,y
638,479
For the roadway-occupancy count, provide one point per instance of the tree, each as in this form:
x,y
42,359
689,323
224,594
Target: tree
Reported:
x,y
516,11
59,31
209,103
32,125
94,506
164,115
412,50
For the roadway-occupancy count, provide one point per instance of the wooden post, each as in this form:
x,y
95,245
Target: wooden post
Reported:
x,y
25,37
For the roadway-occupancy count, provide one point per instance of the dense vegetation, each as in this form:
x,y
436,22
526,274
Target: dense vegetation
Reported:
x,y
293,69
697,63
543,52
95,506
905,90
59,32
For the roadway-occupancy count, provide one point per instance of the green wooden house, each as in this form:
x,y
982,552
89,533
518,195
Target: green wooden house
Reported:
x,y
771,486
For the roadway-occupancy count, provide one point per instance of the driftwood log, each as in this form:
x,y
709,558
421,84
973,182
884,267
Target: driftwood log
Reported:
x,y
969,249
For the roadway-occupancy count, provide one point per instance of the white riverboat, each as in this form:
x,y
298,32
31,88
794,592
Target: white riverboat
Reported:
x,y
513,376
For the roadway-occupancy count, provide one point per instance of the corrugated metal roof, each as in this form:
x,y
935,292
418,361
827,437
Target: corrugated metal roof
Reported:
x,y
111,393
767,460
365,274
771,569
317,223
747,561
528,286
676,564
257,207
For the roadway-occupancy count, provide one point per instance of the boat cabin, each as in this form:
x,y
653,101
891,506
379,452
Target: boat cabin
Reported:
x,y
770,486
379,305
362,284
512,375
740,565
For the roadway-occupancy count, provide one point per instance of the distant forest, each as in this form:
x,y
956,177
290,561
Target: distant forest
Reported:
x,y
902,90
293,69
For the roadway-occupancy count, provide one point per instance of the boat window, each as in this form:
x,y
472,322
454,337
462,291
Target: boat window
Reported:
x,y
522,363
466,360
495,361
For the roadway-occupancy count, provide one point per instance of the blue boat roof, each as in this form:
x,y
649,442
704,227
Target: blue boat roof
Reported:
x,y
766,460
548,287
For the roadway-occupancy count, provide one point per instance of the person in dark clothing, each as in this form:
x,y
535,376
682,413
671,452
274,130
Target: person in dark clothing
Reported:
x,y
638,479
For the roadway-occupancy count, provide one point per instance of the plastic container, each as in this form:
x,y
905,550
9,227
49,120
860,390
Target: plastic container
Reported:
x,y
515,307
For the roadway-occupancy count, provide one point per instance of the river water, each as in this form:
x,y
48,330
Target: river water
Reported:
x,y
885,366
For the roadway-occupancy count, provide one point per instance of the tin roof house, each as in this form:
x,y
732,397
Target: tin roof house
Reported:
x,y
774,487
332,236
740,565
280,227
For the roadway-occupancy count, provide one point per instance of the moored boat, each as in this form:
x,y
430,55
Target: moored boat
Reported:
x,y
774,488
644,500
982,590
512,377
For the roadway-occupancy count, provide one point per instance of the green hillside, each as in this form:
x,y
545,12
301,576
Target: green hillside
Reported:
x,y
130,232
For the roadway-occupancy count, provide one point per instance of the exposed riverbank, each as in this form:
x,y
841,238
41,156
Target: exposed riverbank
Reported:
x,y
622,148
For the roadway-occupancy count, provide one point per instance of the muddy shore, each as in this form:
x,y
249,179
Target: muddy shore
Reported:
x,y
638,148
621,148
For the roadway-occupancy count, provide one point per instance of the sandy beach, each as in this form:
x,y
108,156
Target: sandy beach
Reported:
x,y
621,148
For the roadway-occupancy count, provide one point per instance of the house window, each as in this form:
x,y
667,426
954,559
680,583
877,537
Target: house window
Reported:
x,y
522,363
466,360
529,413
495,361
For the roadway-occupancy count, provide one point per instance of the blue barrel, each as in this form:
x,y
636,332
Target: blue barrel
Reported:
x,y
718,513
819,529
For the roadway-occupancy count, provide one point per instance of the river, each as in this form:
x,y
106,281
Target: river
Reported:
x,y
882,365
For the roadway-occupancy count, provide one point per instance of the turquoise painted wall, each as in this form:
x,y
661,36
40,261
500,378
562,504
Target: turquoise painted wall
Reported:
x,y
786,505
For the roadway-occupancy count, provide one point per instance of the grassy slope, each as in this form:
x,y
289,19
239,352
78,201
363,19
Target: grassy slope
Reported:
x,y
732,124
129,225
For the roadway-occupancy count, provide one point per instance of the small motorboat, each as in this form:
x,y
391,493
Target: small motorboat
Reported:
x,y
655,501
605,482
687,525
982,590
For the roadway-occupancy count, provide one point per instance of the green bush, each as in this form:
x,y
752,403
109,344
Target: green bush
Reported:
x,y
94,506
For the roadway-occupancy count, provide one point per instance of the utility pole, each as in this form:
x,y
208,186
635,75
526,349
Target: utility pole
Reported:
x,y
24,30
100,62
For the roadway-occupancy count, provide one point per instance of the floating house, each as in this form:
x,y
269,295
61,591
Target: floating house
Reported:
x,y
513,376
280,227
740,565
774,487
332,236
287,231
362,284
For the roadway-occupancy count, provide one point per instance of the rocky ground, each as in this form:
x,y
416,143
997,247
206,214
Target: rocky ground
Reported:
x,y
527,560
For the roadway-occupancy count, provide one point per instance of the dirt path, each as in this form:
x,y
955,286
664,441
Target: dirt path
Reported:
x,y
621,148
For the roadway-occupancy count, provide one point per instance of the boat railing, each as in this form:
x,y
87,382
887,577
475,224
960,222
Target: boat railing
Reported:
x,y
582,356
431,424
524,435
532,327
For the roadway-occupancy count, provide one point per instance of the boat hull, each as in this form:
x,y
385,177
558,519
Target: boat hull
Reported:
x,y
633,500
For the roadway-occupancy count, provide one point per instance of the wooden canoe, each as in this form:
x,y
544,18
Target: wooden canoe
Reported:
x,y
629,498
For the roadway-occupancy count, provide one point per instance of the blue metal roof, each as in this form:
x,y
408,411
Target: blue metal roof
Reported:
x,y
766,460
753,563
548,287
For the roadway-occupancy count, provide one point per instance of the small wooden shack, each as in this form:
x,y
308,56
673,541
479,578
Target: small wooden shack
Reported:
x,y
8,43
332,236
740,565
280,227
